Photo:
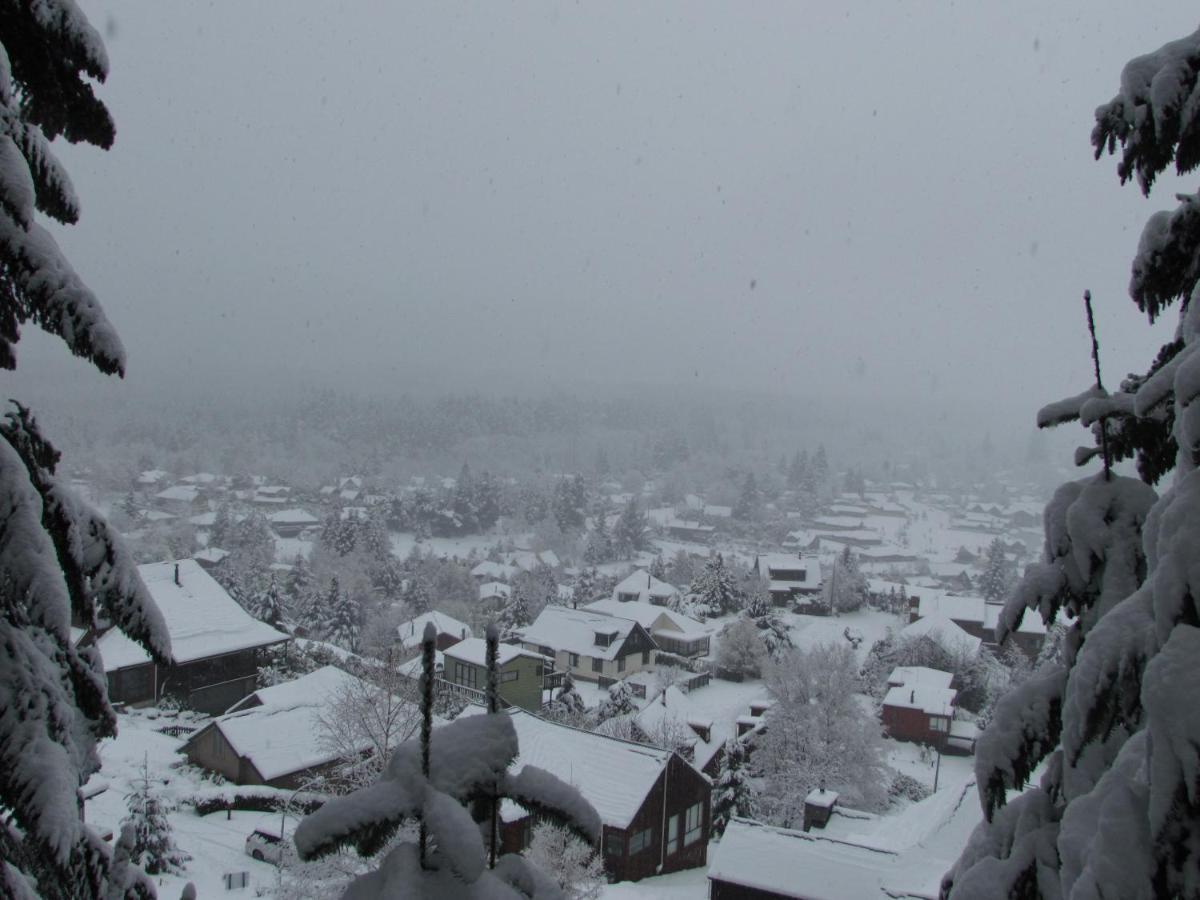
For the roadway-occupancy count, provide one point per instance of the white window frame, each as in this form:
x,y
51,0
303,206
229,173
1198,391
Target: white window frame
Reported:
x,y
673,834
694,829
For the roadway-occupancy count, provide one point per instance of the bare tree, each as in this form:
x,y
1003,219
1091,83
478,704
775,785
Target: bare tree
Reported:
x,y
364,721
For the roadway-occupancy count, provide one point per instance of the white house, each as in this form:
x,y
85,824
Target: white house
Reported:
x,y
672,631
590,645
641,586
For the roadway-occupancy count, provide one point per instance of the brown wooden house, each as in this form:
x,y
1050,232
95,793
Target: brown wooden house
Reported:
x,y
217,647
274,736
654,805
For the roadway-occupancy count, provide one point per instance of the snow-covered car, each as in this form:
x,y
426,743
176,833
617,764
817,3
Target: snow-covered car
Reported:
x,y
264,845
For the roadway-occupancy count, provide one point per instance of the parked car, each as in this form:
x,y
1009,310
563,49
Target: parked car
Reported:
x,y
264,845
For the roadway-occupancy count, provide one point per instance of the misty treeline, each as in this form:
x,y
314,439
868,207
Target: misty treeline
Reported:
x,y
307,436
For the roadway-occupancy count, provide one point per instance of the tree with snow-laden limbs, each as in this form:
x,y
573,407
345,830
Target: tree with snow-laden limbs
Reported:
x,y
1116,812
59,559
994,583
340,624
629,532
818,734
574,865
733,794
435,780
153,845
715,589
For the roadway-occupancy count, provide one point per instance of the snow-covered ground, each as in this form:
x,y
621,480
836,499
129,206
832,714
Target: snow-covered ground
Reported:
x,y
454,548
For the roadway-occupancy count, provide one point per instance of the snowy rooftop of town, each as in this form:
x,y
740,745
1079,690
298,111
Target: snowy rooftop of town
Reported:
x,y
945,632
645,586
646,614
293,516
284,734
919,676
821,797
184,493
474,650
681,709
855,856
492,590
936,701
411,632
574,631
202,619
772,563
494,570
613,775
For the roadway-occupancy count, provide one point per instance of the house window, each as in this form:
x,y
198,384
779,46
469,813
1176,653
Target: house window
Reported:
x,y
597,664
464,674
620,664
605,638
639,841
645,657
614,844
545,651
693,826
510,676
574,660
938,723
673,835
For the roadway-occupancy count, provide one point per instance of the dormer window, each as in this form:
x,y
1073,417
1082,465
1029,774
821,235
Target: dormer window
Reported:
x,y
605,638
627,598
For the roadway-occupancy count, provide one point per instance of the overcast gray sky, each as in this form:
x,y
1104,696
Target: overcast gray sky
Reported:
x,y
888,199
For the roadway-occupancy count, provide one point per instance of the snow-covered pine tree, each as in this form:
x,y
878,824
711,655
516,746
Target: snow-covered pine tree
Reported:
x,y
994,584
629,533
584,589
153,843
746,507
733,794
599,547
715,588
58,557
619,702
1116,812
221,532
341,624
515,614
432,779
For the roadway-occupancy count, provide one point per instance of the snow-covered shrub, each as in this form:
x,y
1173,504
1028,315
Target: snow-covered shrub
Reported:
x,y
572,863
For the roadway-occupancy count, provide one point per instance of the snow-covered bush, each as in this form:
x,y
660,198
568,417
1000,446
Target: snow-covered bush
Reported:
x,y
572,863
153,845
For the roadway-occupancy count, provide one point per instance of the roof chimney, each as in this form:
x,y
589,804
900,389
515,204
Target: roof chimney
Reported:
x,y
178,583
912,696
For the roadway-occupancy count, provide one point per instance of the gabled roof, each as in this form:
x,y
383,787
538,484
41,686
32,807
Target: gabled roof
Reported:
x,y
644,585
474,651
615,776
494,570
283,734
771,563
411,632
646,614
919,676
574,631
202,619
685,714
294,516
945,632
936,701
492,590
182,493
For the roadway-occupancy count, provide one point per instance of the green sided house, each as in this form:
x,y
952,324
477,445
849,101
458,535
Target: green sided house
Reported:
x,y
524,674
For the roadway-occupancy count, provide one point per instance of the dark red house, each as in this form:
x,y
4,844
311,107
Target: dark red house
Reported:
x,y
654,805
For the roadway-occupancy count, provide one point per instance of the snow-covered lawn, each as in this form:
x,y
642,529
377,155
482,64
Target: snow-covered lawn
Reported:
x,y
454,548
216,842
691,884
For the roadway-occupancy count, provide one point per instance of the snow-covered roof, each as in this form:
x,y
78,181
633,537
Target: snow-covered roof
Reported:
x,y
613,775
494,589
293,516
1031,622
152,476
680,709
962,608
945,632
284,735
210,555
644,585
718,512
474,650
646,614
411,632
771,563
919,676
179,493
902,855
936,701
199,478
202,619
574,631
494,570
821,797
